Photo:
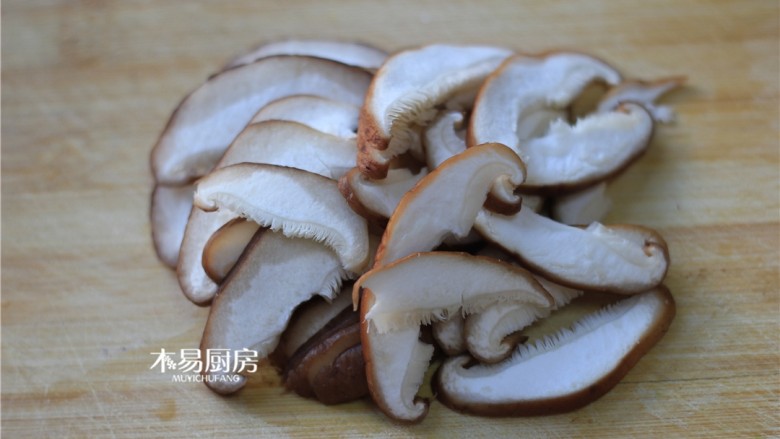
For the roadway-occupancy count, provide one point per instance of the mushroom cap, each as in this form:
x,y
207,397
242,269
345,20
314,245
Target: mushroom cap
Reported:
x,y
406,90
225,246
297,202
564,371
209,118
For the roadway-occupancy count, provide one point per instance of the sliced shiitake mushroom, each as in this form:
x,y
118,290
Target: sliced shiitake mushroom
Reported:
x,y
564,371
406,90
297,202
225,246
322,114
622,259
272,142
446,201
208,119
169,212
349,53
582,207
249,312
450,334
398,297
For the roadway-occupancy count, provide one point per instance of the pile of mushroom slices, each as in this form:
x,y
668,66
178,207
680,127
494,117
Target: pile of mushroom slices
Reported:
x,y
347,215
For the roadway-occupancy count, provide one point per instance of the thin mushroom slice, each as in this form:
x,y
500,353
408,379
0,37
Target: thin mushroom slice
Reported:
x,y
565,371
169,212
398,297
326,115
195,283
531,87
622,259
594,149
644,93
209,118
345,52
225,246
406,90
493,333
272,142
444,138
378,198
250,313
446,201
297,202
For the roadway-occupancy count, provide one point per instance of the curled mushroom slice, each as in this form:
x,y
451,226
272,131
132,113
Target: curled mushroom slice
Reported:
x,y
398,297
297,202
250,313
623,259
535,87
169,212
209,118
444,138
349,53
582,207
377,198
492,334
645,93
565,371
224,247
405,92
446,201
326,115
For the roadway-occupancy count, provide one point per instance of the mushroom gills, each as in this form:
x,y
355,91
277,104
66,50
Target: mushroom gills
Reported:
x,y
564,371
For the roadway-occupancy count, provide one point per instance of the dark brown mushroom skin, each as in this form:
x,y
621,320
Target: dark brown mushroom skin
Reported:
x,y
344,380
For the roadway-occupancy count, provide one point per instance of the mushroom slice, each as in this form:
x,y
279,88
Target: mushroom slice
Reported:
x,y
224,247
210,117
326,115
195,283
349,53
297,202
446,201
526,87
169,212
377,198
273,142
344,379
450,334
406,90
583,207
308,320
565,371
250,313
644,93
493,333
623,259
398,297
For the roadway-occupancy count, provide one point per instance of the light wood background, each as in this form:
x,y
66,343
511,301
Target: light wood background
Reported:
x,y
88,85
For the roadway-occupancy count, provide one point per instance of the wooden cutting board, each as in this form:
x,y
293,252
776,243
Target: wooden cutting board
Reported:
x,y
88,85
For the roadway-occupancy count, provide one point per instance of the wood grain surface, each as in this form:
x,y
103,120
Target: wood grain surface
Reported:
x,y
87,87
